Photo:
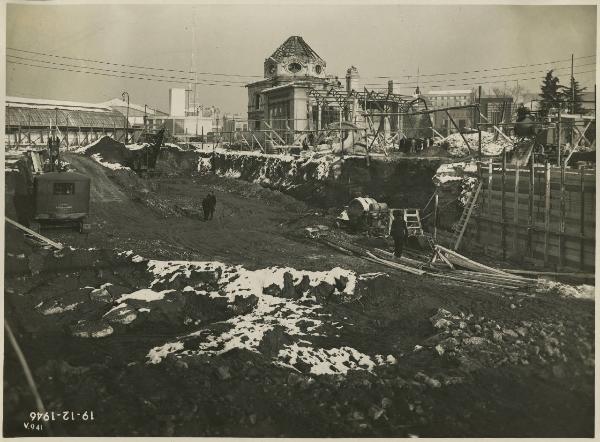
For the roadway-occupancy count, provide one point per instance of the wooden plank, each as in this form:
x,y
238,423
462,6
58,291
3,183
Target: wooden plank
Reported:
x,y
531,201
503,203
56,245
542,273
582,220
546,211
460,260
471,281
394,265
562,215
489,187
513,279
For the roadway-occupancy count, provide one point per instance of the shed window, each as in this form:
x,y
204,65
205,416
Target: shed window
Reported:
x,y
64,188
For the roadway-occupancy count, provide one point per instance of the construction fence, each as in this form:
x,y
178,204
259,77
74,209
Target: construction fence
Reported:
x,y
543,213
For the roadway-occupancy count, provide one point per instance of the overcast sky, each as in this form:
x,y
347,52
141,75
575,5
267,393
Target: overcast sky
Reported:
x,y
386,40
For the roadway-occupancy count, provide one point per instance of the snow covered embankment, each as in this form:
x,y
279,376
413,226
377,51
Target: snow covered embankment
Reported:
x,y
279,172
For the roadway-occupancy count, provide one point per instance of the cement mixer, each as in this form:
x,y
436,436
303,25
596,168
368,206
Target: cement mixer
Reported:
x,y
366,214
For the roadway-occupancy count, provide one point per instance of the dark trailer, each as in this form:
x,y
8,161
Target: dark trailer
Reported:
x,y
62,197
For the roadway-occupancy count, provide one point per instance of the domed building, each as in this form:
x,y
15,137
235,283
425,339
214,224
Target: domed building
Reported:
x,y
281,99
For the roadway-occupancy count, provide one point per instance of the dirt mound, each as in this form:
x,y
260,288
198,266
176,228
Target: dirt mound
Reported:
x,y
108,152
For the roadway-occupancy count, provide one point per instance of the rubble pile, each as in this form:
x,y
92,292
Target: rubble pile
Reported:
x,y
477,342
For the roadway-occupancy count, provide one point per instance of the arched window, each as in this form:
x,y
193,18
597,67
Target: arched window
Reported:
x,y
294,67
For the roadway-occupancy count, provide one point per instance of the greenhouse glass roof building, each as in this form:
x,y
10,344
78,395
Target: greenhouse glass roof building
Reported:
x,y
34,112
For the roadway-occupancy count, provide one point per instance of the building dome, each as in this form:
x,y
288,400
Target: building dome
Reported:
x,y
294,58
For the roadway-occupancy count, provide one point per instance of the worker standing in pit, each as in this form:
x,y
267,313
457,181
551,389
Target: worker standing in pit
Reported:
x,y
23,198
399,232
212,199
206,207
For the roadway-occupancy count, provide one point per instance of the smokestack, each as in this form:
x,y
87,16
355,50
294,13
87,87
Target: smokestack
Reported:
x,y
390,86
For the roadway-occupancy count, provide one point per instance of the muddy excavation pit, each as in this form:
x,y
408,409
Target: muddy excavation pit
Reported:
x,y
162,324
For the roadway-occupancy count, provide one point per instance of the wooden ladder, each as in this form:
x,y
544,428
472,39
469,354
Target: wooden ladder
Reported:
x,y
413,222
461,226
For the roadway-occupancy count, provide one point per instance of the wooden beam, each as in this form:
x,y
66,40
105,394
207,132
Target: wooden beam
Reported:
x,y
516,213
561,226
56,245
503,205
546,210
531,204
582,217
458,129
458,259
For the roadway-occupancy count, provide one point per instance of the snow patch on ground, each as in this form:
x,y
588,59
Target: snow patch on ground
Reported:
x,y
84,149
583,291
113,166
299,320
147,295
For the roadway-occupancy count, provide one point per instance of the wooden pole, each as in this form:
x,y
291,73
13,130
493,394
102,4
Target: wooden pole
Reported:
x,y
56,245
458,129
516,213
478,120
531,203
582,217
202,136
503,204
561,227
546,210
66,132
435,216
559,138
489,186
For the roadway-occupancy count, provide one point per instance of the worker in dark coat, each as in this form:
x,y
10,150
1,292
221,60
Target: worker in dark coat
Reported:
x,y
212,199
399,232
206,207
23,199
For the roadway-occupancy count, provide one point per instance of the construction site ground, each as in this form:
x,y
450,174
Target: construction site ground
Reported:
x,y
468,362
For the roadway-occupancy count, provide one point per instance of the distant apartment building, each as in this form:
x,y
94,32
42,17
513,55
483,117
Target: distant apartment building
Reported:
x,y
463,118
234,123
496,110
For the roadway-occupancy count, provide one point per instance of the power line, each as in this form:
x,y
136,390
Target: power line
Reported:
x,y
258,76
483,76
117,76
494,82
483,70
131,66
233,85
187,79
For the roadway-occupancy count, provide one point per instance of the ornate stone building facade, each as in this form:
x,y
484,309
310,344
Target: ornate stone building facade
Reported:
x,y
281,101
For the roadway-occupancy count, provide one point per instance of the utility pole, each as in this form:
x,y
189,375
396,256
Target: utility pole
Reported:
x,y
572,88
145,114
478,121
127,117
